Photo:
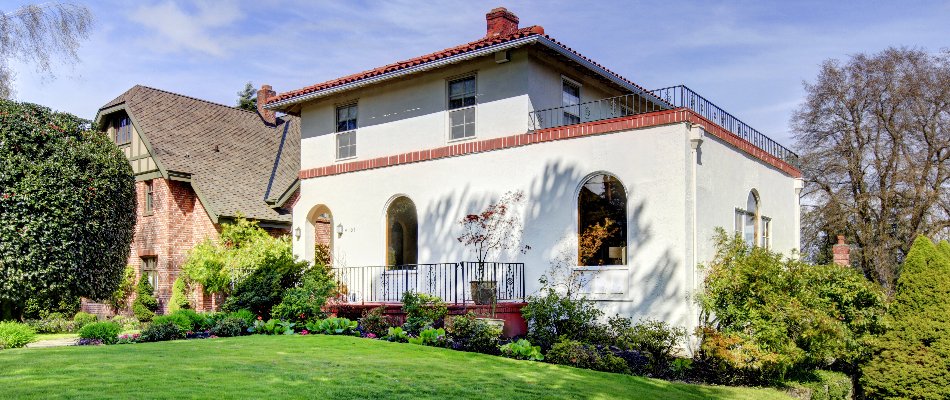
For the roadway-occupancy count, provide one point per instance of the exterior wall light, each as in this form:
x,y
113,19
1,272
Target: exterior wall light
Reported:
x,y
339,230
297,233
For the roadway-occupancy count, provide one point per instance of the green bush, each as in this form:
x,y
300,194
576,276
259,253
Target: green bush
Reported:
x,y
912,360
396,334
766,316
246,315
145,304
52,323
127,323
376,322
580,355
522,350
179,298
553,315
15,334
334,326
199,322
272,327
306,301
823,385
67,210
181,320
160,331
422,311
264,288
107,332
469,333
430,337
82,318
118,298
657,339
229,327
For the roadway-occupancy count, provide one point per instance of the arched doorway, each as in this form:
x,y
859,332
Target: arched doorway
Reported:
x,y
402,232
321,224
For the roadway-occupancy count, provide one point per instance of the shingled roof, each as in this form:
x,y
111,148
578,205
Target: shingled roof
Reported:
x,y
232,156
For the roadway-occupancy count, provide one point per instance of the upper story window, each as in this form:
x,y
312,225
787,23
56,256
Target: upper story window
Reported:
x,y
149,197
346,117
570,99
123,131
462,108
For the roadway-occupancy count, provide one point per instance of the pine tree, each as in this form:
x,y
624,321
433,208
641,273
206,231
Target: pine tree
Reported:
x,y
912,360
247,99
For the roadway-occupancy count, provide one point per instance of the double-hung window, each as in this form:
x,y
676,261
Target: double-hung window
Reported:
x,y
149,197
462,108
123,131
346,131
150,271
766,232
570,101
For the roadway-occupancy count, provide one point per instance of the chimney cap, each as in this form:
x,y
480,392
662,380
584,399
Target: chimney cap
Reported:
x,y
841,239
501,22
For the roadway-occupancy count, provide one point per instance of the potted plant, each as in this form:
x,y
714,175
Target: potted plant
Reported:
x,y
496,229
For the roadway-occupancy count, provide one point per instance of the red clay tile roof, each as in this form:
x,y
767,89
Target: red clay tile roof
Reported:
x,y
478,44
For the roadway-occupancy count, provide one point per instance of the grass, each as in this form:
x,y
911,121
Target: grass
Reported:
x,y
316,366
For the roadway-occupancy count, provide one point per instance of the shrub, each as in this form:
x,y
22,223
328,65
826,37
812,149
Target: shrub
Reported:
x,y
272,327
107,332
823,385
396,334
306,301
128,338
180,320
656,339
52,323
199,322
580,355
552,315
244,314
145,305
766,316
522,350
264,288
376,322
160,331
430,337
118,299
334,326
422,311
179,299
468,333
15,334
127,323
912,360
229,327
83,318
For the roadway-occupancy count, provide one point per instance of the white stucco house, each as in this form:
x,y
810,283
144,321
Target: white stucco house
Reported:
x,y
392,158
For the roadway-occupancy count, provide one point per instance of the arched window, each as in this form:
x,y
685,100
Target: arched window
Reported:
x,y
747,220
602,222
402,232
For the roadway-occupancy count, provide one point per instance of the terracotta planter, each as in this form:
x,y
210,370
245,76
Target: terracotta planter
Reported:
x,y
483,292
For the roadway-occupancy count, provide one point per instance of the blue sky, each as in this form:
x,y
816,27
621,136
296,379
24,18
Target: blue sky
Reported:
x,y
750,58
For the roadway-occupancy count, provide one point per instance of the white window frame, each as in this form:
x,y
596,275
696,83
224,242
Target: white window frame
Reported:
x,y
150,274
339,134
565,81
766,226
449,111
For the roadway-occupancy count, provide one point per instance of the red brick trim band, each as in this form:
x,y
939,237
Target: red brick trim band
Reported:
x,y
559,133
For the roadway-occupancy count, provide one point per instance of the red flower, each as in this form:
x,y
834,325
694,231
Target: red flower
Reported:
x,y
259,318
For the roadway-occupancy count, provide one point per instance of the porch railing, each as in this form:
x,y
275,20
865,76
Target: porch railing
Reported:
x,y
449,281
674,97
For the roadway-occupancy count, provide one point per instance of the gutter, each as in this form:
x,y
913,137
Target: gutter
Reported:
x,y
534,39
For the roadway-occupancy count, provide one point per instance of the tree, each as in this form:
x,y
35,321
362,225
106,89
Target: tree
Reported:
x,y
875,144
247,99
912,360
38,34
67,209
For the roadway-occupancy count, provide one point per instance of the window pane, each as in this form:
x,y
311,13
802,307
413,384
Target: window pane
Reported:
x,y
458,131
602,222
346,118
571,94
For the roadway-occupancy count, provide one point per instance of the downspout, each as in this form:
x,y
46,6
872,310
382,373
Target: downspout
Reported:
x,y
696,134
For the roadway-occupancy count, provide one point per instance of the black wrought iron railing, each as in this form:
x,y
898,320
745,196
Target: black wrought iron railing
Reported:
x,y
674,97
450,281
682,96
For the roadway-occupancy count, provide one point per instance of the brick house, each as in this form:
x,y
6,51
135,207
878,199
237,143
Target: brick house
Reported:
x,y
197,165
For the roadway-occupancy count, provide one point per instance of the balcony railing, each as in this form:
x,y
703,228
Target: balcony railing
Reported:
x,y
449,281
675,97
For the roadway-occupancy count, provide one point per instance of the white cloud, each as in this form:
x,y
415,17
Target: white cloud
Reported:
x,y
197,30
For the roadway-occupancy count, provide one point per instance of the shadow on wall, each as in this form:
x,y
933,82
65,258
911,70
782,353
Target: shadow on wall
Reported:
x,y
550,218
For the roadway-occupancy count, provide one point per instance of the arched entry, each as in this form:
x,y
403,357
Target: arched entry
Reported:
x,y
321,224
402,232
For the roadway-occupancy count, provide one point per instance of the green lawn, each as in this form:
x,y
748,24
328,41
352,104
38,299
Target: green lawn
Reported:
x,y
48,336
332,367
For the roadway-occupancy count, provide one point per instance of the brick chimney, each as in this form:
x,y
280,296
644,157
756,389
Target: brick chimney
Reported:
x,y
841,252
501,22
263,94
